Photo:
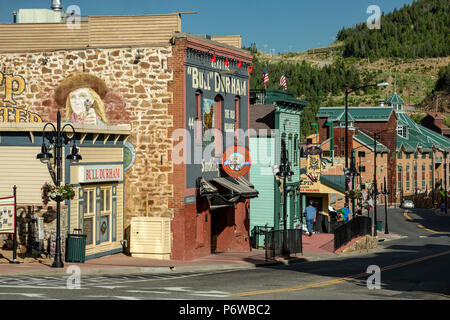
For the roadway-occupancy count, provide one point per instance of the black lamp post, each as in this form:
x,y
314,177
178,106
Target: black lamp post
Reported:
x,y
386,228
445,180
347,92
375,191
285,171
57,137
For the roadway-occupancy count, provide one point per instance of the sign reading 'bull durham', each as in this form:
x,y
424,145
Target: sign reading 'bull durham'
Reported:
x,y
100,173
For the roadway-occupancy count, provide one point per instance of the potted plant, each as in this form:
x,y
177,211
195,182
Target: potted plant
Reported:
x,y
56,193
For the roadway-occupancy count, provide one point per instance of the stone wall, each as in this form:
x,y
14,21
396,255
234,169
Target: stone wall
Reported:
x,y
138,94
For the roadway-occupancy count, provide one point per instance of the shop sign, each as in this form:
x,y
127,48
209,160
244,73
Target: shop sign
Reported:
x,y
99,173
310,182
7,216
14,85
236,161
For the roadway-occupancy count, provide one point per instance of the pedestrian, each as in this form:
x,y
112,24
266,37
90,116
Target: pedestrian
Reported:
x,y
346,212
310,212
358,210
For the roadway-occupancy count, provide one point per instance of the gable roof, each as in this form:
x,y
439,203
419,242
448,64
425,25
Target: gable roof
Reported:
x,y
395,99
357,113
366,140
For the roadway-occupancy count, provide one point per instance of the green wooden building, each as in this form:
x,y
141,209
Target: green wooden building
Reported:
x,y
274,117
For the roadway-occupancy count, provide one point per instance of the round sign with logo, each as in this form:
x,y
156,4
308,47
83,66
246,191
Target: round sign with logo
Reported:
x,y
236,161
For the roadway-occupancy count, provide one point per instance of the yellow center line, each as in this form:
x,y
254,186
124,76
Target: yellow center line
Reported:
x,y
338,280
419,225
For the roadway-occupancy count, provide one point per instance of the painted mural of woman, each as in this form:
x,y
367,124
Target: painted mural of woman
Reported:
x,y
81,95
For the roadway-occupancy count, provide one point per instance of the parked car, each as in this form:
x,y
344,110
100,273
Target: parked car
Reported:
x,y
407,204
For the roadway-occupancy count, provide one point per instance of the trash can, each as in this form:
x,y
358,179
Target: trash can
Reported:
x,y
379,225
76,247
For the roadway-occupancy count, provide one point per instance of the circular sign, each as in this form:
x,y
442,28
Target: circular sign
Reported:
x,y
129,155
236,161
103,227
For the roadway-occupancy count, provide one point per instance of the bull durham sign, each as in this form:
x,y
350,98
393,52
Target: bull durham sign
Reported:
x,y
100,173
214,81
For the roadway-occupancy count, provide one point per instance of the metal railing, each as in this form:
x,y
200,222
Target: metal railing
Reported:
x,y
283,242
258,236
359,226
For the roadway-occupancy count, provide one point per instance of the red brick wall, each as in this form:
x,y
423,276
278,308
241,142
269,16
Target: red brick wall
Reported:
x,y
388,137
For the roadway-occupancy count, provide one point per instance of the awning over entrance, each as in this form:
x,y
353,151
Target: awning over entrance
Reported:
x,y
225,191
237,185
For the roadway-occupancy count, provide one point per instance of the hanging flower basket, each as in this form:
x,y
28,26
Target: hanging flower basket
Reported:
x,y
56,193
352,194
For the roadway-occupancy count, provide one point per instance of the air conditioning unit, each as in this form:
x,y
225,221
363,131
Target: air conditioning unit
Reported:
x,y
150,238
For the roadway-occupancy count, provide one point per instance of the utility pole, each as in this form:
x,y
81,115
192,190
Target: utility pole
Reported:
x,y
445,180
375,137
386,229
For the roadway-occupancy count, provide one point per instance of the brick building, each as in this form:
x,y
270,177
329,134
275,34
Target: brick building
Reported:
x,y
415,154
154,80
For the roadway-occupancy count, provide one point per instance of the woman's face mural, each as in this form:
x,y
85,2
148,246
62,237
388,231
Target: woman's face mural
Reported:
x,y
82,104
81,94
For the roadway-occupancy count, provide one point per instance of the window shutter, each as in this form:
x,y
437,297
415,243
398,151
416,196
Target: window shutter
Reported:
x,y
97,214
81,200
114,213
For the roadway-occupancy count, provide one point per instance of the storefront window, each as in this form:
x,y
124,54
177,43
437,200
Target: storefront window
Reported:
x,y
89,211
89,221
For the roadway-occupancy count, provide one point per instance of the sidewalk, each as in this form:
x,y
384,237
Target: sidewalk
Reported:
x,y
316,247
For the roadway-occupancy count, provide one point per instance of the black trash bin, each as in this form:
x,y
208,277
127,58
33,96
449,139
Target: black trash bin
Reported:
x,y
76,247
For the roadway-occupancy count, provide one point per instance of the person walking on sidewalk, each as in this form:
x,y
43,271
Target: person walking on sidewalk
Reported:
x,y
310,212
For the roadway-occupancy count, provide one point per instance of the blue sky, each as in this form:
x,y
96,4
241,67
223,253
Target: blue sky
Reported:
x,y
286,25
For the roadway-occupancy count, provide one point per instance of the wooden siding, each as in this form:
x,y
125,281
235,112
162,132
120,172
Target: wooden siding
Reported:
x,y
19,166
262,207
235,41
92,154
109,31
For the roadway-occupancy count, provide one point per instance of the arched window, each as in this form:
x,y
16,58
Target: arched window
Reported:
x,y
218,109
237,102
198,115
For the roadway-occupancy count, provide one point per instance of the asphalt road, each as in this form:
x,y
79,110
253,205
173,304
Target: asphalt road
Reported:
x,y
415,267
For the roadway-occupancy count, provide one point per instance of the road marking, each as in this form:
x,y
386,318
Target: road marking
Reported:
x,y
338,280
419,225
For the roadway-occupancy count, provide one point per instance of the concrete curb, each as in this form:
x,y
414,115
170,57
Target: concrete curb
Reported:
x,y
156,270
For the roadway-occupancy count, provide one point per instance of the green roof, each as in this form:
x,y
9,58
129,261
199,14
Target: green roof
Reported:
x,y
280,96
395,99
336,182
356,113
368,142
419,136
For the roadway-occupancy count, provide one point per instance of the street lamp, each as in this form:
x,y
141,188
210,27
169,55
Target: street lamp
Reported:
x,y
347,92
445,179
57,137
386,229
375,191
283,173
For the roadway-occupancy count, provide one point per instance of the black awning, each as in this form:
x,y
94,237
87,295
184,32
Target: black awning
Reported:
x,y
205,188
238,186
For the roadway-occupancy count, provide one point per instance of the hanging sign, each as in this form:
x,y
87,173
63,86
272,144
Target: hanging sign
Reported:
x,y
310,181
7,215
236,161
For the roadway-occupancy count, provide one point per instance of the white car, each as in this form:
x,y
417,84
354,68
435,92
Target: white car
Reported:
x,y
407,204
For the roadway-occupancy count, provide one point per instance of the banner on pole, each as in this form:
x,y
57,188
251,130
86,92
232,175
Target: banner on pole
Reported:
x,y
7,215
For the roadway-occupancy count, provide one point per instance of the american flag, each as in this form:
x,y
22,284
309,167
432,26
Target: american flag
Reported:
x,y
283,82
265,77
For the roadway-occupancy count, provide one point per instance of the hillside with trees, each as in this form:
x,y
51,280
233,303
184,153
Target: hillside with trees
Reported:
x,y
419,30
399,53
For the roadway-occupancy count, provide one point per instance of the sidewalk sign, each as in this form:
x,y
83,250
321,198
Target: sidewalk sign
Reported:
x,y
8,220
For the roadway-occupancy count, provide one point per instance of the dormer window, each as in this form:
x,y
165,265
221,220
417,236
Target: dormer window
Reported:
x,y
402,131
350,124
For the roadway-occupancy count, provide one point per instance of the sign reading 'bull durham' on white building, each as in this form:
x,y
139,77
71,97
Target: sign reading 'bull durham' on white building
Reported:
x,y
100,173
